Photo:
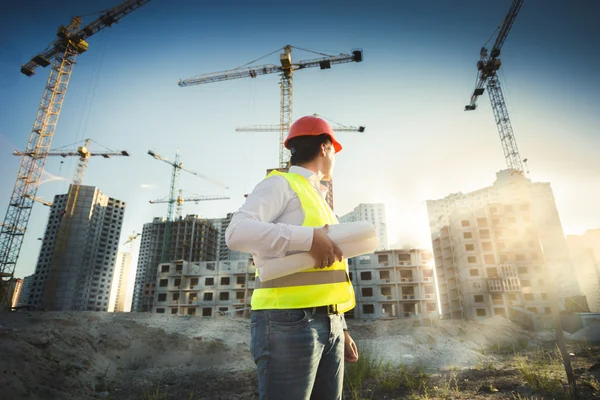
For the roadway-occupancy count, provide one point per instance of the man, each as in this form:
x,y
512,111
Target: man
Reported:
x,y
299,339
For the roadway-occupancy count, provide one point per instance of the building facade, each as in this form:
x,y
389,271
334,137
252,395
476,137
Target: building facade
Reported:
x,y
14,288
120,285
191,238
374,213
394,284
496,250
25,290
585,253
204,288
224,253
82,278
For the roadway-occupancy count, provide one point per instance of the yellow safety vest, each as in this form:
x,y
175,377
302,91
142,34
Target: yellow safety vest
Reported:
x,y
312,287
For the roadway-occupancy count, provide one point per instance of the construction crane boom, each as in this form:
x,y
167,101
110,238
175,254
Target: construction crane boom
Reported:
x,y
131,238
68,36
255,71
286,70
180,200
61,55
277,128
487,68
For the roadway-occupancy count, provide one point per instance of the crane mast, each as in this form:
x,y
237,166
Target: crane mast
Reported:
x,y
487,68
61,55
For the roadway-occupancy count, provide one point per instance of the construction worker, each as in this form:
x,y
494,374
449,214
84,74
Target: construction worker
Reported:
x,y
299,339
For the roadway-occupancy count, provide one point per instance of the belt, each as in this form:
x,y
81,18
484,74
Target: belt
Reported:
x,y
330,309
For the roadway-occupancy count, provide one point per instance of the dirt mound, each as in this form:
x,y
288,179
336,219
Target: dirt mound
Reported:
x,y
444,344
87,355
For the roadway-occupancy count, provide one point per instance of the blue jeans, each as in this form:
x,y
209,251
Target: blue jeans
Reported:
x,y
299,354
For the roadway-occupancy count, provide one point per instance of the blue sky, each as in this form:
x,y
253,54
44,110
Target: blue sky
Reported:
x,y
417,75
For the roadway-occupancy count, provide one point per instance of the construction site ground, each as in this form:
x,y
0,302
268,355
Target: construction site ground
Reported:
x,y
89,355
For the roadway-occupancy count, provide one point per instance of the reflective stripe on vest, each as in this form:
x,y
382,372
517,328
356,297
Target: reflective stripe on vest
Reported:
x,y
312,287
304,278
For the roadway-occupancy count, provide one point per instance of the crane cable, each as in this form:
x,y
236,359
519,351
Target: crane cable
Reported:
x,y
260,58
296,47
312,51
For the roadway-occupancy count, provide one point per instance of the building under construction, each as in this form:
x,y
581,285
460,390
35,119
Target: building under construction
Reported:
x,y
224,253
80,279
497,248
585,253
394,284
204,288
190,238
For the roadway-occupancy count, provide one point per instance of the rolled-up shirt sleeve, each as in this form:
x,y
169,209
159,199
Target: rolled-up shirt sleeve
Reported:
x,y
252,228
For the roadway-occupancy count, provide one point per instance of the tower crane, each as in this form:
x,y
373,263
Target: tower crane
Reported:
x,y
487,68
286,70
172,199
180,200
84,154
61,55
131,239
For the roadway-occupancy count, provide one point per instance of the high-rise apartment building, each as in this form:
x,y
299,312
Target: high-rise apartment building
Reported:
x,y
374,213
191,238
585,253
14,288
25,289
83,278
224,253
394,284
496,248
120,284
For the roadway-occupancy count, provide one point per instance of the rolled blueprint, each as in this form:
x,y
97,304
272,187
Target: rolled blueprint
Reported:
x,y
351,232
353,239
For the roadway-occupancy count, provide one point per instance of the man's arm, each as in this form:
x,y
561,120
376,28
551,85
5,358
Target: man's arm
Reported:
x,y
252,229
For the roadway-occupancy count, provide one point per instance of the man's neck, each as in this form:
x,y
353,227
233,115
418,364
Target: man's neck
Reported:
x,y
314,168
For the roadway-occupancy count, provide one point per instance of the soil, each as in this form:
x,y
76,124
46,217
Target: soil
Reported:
x,y
88,355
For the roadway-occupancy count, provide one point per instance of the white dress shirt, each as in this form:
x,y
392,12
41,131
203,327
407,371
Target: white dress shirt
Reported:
x,y
269,224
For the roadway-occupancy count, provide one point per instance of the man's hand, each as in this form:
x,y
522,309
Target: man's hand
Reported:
x,y
350,349
323,250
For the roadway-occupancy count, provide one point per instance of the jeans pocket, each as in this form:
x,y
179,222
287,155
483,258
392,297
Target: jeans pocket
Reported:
x,y
288,318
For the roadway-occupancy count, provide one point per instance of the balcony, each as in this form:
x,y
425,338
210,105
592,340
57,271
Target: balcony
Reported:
x,y
408,296
406,280
384,297
404,263
497,285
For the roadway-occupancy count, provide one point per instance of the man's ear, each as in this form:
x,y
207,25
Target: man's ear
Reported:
x,y
323,149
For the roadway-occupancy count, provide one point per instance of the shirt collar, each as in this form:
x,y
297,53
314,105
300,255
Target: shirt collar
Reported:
x,y
310,176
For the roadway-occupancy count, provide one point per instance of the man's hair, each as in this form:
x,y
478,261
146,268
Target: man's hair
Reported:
x,y
304,149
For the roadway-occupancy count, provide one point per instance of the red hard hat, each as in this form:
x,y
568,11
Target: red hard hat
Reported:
x,y
311,126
